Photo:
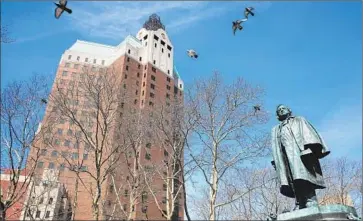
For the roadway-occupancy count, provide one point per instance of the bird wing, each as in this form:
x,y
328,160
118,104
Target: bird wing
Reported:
x,y
58,12
243,20
63,2
246,13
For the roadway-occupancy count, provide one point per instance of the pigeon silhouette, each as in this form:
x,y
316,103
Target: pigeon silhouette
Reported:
x,y
237,25
61,7
248,11
192,53
44,101
257,108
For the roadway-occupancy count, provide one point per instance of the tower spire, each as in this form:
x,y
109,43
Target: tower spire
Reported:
x,y
154,23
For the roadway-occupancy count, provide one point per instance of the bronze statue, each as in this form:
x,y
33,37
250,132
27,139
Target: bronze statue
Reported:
x,y
296,149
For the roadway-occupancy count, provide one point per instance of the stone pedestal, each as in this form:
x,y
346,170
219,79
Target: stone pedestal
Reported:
x,y
328,212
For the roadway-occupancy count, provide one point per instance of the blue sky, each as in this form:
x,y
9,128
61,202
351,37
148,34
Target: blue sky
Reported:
x,y
307,55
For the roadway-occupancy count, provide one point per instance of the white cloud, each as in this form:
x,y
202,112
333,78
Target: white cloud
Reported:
x,y
114,20
341,130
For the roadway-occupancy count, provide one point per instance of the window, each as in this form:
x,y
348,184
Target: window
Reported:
x,y
162,50
83,168
69,57
168,78
168,96
180,85
86,60
153,69
168,55
61,167
127,68
129,51
103,62
151,103
125,86
145,67
37,214
169,47
40,165
128,59
50,201
122,104
67,65
47,214
142,102
56,142
54,153
164,200
154,62
65,73
155,45
156,37
135,101
67,143
144,75
153,77
143,92
140,58
139,66
165,187
126,192
69,132
138,74
169,73
152,86
147,156
94,61
136,92
152,95
78,58
51,166
44,152
125,76
75,156
168,87
148,145
166,153
124,207
85,156
145,37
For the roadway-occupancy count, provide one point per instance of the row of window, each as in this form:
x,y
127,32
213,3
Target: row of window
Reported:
x,y
55,153
86,59
62,166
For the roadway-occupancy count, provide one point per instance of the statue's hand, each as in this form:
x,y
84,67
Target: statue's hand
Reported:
x,y
273,164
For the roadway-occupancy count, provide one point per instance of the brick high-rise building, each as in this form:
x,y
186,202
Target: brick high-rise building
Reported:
x,y
145,65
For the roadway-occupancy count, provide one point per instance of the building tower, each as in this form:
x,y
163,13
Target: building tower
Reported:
x,y
145,65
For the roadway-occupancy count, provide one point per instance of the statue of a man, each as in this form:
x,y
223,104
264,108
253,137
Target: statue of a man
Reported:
x,y
296,149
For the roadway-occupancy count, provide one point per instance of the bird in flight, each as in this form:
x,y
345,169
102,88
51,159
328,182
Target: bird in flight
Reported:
x,y
61,7
44,101
192,53
257,108
237,25
248,11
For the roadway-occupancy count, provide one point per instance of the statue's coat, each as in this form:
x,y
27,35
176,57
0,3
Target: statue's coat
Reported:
x,y
298,158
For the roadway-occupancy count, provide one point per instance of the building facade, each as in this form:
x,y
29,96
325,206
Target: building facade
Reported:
x,y
147,73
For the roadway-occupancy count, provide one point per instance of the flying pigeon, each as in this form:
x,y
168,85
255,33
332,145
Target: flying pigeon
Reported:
x,y
248,11
192,53
237,24
257,108
61,7
44,101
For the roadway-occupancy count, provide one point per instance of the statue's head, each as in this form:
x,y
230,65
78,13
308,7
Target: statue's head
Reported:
x,y
283,112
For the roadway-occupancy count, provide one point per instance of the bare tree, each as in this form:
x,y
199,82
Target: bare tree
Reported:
x,y
93,126
21,112
343,179
226,130
170,126
4,37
